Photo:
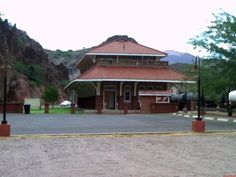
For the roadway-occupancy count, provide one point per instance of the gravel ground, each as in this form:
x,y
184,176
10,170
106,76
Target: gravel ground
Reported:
x,y
176,155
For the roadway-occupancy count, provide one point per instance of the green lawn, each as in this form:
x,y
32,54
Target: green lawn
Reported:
x,y
55,110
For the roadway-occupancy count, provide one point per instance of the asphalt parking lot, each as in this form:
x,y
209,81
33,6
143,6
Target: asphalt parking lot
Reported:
x,y
102,123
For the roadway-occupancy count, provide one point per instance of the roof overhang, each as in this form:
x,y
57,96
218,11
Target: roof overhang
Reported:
x,y
130,80
128,54
155,93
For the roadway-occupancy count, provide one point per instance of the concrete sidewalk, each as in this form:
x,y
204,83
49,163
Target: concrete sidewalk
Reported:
x,y
213,115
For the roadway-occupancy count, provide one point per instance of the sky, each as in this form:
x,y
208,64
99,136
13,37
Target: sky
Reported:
x,y
76,24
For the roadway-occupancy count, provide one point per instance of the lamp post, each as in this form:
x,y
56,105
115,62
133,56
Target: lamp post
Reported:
x,y
5,128
198,125
4,120
199,89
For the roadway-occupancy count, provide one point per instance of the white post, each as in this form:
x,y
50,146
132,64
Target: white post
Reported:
x,y
135,88
121,85
98,89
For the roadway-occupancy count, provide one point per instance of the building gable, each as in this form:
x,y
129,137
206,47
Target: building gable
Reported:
x,y
128,48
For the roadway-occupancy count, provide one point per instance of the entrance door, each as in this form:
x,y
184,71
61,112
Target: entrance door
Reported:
x,y
110,99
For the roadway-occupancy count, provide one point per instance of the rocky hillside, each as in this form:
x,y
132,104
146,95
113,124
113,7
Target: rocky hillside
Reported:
x,y
29,70
67,58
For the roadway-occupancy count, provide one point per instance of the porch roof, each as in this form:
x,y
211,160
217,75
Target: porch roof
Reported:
x,y
132,74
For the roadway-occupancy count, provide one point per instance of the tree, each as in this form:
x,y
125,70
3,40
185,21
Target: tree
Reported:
x,y
219,40
50,95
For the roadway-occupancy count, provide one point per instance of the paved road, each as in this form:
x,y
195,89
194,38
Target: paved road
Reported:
x,y
93,123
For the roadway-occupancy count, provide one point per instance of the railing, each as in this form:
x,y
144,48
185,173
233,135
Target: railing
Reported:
x,y
122,62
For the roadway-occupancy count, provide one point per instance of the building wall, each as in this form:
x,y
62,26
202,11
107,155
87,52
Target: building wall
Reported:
x,y
12,108
149,105
146,104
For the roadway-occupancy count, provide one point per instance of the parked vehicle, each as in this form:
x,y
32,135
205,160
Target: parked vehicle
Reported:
x,y
232,96
66,103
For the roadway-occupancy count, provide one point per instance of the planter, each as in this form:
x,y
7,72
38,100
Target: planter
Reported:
x,y
198,126
5,130
46,108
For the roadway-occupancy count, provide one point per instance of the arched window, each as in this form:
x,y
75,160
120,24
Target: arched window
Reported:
x,y
127,94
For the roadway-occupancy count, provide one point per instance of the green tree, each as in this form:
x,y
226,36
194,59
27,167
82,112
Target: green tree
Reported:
x,y
51,95
34,72
219,40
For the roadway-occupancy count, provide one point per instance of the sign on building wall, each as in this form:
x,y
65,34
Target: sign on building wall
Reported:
x,y
162,99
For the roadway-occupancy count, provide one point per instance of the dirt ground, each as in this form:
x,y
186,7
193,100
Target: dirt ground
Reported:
x,y
175,155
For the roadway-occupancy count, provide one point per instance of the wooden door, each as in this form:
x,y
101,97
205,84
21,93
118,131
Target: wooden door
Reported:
x,y
110,98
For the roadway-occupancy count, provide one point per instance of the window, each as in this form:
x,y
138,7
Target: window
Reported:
x,y
141,88
127,96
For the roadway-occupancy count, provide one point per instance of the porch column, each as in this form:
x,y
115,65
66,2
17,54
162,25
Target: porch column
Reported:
x,y
74,97
121,86
120,99
98,99
135,97
72,108
98,88
135,88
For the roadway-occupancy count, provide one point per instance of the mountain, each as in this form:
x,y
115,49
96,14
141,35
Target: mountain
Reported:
x,y
30,71
178,57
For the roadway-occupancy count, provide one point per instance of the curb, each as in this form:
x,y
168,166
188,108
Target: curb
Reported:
x,y
115,135
101,135
205,117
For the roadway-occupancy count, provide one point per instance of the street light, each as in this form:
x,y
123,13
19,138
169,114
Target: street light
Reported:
x,y
198,125
198,63
4,120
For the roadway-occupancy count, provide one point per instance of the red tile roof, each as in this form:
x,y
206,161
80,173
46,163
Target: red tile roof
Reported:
x,y
132,72
125,47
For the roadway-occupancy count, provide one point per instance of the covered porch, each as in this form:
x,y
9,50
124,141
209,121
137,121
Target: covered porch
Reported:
x,y
113,94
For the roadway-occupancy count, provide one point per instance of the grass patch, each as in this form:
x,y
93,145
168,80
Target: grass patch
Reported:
x,y
55,110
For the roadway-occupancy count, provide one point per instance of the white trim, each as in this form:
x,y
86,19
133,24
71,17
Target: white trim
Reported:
x,y
223,120
128,54
155,94
128,80
209,118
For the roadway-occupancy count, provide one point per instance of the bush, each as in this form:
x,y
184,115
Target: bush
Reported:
x,y
51,95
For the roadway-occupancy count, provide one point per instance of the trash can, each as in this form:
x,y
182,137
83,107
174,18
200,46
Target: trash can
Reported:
x,y
27,108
